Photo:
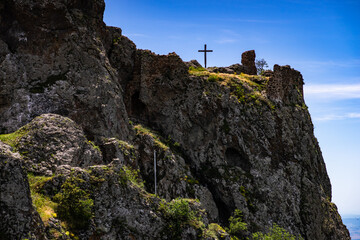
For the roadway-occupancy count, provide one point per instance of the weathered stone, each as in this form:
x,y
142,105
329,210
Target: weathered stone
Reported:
x,y
285,84
51,140
238,68
193,63
18,218
59,63
221,70
248,61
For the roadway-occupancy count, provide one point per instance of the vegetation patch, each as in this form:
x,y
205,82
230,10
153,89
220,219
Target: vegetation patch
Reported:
x,y
215,231
127,174
13,139
237,228
95,147
248,89
74,204
275,232
141,130
179,214
193,70
127,149
43,204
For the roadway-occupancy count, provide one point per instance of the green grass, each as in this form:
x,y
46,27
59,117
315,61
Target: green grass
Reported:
x,y
127,174
13,139
198,69
43,204
92,144
275,233
141,130
248,89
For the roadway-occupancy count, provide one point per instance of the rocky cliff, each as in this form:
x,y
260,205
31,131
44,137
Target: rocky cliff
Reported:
x,y
83,112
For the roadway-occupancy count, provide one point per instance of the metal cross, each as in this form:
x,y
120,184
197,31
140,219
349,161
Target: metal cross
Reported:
x,y
205,51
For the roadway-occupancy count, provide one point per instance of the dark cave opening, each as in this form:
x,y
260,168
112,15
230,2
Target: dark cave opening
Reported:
x,y
234,158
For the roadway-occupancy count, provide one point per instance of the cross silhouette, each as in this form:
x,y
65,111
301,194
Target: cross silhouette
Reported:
x,y
205,51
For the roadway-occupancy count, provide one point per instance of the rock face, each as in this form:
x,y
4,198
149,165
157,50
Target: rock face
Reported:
x,y
92,108
248,61
18,218
240,150
287,91
59,62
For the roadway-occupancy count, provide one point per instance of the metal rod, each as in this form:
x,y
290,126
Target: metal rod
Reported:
x,y
155,171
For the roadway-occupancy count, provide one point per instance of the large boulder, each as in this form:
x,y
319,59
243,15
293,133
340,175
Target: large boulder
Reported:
x,y
50,141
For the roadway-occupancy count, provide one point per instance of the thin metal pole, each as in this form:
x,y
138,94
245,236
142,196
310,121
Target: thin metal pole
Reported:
x,y
155,171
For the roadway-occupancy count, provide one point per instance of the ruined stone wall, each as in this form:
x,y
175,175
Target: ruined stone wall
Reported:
x,y
285,84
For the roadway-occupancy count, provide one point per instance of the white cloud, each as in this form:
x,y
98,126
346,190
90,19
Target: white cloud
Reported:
x,y
226,40
136,35
332,91
337,117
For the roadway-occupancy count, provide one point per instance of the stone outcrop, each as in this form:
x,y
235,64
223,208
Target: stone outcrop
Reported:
x,y
231,141
238,68
59,62
285,84
18,218
193,63
66,144
248,61
222,138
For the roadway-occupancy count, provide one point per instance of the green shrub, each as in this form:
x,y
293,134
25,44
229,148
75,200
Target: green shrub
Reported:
x,y
214,231
214,78
128,174
237,227
177,209
275,233
74,204
179,214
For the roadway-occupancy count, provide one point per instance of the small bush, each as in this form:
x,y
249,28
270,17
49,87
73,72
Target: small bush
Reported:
x,y
237,227
131,175
74,204
275,233
178,210
214,231
179,214
214,78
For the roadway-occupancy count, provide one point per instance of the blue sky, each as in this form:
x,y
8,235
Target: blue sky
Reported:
x,y
320,38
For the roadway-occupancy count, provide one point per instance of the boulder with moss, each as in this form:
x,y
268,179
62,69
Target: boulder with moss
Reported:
x,y
51,140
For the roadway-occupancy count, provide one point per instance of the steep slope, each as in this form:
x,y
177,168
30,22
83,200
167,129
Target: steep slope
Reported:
x,y
233,141
248,140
